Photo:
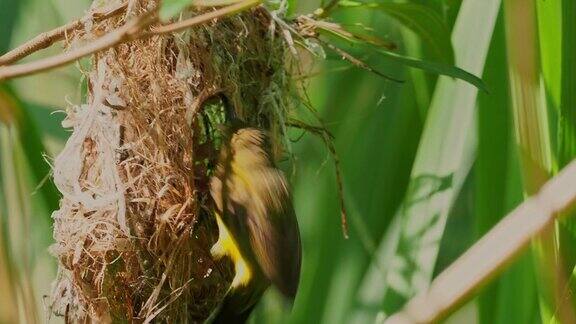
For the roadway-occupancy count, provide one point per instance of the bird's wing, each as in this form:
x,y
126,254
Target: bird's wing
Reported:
x,y
257,205
273,231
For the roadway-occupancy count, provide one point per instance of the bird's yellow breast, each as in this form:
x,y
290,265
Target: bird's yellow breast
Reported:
x,y
228,246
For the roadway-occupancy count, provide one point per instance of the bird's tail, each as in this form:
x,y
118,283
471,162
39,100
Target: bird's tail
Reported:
x,y
228,314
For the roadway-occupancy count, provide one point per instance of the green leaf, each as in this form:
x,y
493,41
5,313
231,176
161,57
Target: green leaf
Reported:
x,y
12,111
17,206
8,273
433,67
423,21
8,15
292,5
511,298
535,149
380,114
9,306
370,44
422,82
445,156
567,127
551,39
557,21
171,8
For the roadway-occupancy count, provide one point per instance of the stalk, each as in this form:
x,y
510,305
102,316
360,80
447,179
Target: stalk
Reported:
x,y
8,306
530,113
567,120
17,223
566,135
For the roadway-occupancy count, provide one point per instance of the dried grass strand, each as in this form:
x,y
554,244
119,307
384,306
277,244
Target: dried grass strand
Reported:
x,y
123,34
492,252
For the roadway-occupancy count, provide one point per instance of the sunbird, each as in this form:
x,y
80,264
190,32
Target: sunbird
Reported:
x,y
257,225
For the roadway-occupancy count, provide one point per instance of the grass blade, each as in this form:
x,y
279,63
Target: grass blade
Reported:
x,y
13,111
423,21
18,210
558,19
512,298
444,158
567,120
8,306
493,252
434,67
371,45
532,115
8,15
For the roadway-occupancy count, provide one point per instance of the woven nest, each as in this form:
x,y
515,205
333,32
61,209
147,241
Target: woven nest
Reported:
x,y
134,228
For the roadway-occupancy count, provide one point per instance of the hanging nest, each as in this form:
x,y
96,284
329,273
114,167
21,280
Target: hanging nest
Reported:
x,y
134,228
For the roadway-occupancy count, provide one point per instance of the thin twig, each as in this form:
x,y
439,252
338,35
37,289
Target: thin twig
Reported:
x,y
328,139
216,14
357,62
130,31
47,39
493,252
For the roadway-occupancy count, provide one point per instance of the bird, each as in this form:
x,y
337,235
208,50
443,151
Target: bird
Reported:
x,y
257,226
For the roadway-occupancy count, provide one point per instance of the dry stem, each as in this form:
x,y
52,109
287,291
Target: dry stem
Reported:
x,y
129,32
123,34
327,138
490,255
47,39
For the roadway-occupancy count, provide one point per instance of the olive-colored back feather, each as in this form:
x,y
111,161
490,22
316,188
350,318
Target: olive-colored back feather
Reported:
x,y
257,206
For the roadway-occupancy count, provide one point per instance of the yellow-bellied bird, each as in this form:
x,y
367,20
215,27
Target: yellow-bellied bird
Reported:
x,y
257,225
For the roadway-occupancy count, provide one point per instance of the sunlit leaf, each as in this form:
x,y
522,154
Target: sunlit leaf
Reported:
x,y
556,20
534,136
359,103
445,156
567,122
512,298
